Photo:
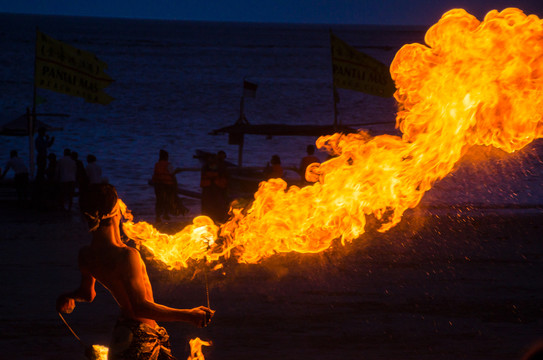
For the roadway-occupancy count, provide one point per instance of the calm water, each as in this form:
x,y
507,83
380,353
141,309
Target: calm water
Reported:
x,y
176,81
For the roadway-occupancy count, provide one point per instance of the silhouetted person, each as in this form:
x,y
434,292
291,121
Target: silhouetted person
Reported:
x,y
165,185
51,171
121,270
214,184
274,169
66,174
94,171
42,143
81,178
21,176
307,160
50,196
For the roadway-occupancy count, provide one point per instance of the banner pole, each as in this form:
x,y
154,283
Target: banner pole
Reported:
x,y
32,117
333,85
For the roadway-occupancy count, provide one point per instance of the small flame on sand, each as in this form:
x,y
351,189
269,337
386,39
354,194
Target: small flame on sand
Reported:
x,y
474,83
196,348
98,352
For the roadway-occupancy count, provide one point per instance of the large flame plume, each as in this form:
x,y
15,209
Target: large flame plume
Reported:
x,y
473,83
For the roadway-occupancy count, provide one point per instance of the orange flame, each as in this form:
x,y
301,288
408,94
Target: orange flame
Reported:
x,y
474,83
98,352
196,348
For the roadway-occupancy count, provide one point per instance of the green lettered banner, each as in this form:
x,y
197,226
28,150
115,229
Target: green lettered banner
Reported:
x,y
63,68
354,70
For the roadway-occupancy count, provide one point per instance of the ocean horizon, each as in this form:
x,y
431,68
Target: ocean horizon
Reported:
x,y
177,81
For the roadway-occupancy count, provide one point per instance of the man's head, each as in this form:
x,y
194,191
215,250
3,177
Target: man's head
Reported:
x,y
276,160
99,205
13,153
163,155
310,149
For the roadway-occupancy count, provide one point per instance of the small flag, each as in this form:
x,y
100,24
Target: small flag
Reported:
x,y
249,89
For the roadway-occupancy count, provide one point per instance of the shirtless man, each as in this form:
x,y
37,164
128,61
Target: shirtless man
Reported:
x,y
122,271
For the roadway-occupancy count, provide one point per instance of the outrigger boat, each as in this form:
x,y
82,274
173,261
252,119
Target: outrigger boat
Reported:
x,y
351,70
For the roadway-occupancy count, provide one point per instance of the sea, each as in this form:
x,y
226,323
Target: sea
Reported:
x,y
177,81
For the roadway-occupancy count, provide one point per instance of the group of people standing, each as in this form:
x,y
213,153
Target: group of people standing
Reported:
x,y
56,180
275,170
68,174
214,183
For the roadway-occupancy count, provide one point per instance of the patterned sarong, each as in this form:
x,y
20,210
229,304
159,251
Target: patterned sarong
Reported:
x,y
134,340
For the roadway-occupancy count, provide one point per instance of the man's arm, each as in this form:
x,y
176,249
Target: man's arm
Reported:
x,y
135,281
85,293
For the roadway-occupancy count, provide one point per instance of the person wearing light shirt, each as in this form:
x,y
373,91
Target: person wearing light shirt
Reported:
x,y
66,175
21,175
94,171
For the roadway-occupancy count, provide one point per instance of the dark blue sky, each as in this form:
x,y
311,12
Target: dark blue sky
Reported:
x,y
404,12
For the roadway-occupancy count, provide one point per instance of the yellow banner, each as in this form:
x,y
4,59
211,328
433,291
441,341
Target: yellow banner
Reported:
x,y
63,68
354,70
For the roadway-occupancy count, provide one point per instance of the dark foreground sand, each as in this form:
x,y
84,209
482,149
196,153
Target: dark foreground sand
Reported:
x,y
466,286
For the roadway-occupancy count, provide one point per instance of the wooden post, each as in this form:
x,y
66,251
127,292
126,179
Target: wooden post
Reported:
x,y
32,121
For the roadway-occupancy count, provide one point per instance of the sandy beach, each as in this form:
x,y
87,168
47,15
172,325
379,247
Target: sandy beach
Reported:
x,y
446,286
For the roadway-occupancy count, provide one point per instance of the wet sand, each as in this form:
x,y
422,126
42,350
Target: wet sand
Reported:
x,y
460,285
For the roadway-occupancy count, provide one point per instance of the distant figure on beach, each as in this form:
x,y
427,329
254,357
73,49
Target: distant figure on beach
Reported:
x,y
274,170
49,198
20,180
121,270
165,185
42,143
81,178
214,184
93,170
307,160
66,175
51,170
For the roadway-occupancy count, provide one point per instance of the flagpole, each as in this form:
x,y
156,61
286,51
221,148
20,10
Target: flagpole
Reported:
x,y
333,85
241,121
35,70
336,97
32,118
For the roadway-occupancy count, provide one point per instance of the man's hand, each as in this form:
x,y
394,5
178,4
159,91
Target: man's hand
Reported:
x,y
202,316
65,304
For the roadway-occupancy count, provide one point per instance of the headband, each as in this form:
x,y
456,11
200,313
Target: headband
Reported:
x,y
94,219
